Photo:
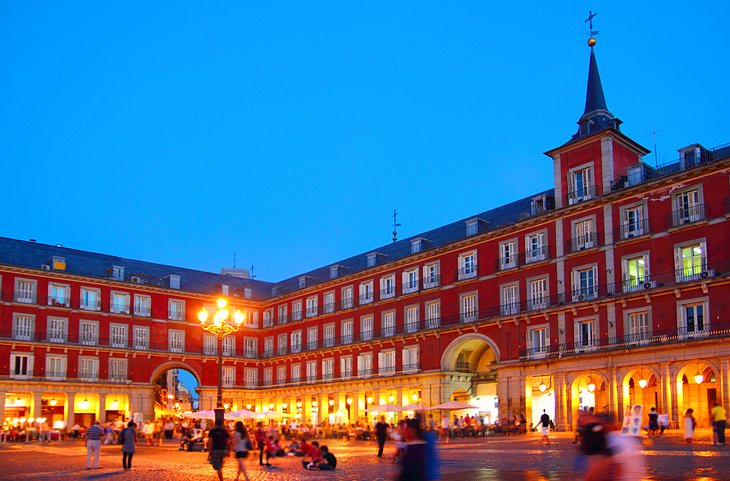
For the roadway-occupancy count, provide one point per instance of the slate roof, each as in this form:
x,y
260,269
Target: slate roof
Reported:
x,y
33,255
90,264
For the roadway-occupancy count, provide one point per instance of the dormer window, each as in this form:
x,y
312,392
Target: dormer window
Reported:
x,y
415,246
58,263
173,281
472,227
118,273
334,272
372,259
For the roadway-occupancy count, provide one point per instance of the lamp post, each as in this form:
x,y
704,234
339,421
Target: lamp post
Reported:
x,y
221,326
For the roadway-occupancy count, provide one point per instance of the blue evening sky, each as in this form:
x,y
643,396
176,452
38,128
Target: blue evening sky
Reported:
x,y
182,132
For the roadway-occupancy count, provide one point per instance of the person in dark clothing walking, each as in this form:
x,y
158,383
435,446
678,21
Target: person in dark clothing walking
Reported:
x,y
413,462
127,438
544,424
218,446
381,434
261,441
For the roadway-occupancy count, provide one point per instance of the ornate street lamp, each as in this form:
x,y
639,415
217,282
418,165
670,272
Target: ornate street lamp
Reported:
x,y
220,327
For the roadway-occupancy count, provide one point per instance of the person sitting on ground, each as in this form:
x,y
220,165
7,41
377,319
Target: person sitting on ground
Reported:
x,y
312,454
329,461
293,448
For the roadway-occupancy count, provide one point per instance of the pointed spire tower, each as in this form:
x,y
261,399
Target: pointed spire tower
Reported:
x,y
596,159
596,115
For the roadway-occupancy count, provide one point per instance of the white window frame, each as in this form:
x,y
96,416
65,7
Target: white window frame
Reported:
x,y
251,377
635,277
365,364
282,343
538,341
118,335
281,374
119,302
268,376
56,367
296,373
23,326
410,280
229,346
687,206
637,325
57,329
117,370
431,275
510,298
585,339
88,332
366,327
347,297
328,335
88,369
19,369
538,298
386,362
697,267
387,286
295,342
176,310
508,254
210,344
411,359
25,290
176,340
633,221
59,295
296,310
387,323
348,331
228,376
269,346
583,190
282,314
328,369
411,318
583,233
328,302
141,337
250,347
142,305
536,247
312,338
346,367
432,312
683,329
312,306
469,306
366,292
90,299
467,265
585,283
268,318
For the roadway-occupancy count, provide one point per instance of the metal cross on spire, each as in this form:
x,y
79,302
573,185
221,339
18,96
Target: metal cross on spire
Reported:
x,y
591,32
395,225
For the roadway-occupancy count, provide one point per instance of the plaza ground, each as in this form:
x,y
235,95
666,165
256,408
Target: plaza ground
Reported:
x,y
493,458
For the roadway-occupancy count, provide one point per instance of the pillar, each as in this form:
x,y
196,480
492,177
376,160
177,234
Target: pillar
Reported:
x,y
2,407
724,382
561,409
68,409
101,408
613,387
666,393
36,412
672,380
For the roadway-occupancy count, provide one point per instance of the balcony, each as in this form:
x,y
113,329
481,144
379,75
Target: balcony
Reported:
x,y
463,366
312,311
687,215
142,311
328,307
410,286
387,292
584,242
507,262
283,319
432,322
467,272
386,370
24,297
579,195
119,308
535,254
411,368
119,378
366,298
346,303
59,301
429,282
95,305
633,229
312,345
55,375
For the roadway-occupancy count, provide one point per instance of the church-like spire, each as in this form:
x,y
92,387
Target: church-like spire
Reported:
x,y
596,115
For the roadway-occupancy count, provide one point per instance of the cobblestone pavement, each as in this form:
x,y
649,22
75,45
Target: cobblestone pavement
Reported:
x,y
501,458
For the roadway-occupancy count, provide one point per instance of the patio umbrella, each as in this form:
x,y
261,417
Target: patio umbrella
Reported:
x,y
200,415
268,415
413,407
453,406
385,408
242,414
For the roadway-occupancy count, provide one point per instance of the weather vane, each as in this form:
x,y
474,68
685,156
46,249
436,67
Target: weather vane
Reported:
x,y
395,225
592,33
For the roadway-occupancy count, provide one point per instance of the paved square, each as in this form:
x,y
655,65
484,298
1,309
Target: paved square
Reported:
x,y
495,458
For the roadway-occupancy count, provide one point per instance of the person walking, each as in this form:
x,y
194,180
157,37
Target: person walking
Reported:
x,y
381,434
261,441
218,440
544,424
689,425
93,445
127,438
720,418
242,445
653,422
413,462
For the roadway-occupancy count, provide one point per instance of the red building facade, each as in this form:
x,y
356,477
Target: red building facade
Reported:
x,y
606,291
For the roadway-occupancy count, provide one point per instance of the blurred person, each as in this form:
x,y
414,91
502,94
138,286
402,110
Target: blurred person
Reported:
x,y
93,445
544,424
329,460
218,444
720,418
241,445
381,433
414,461
127,438
653,422
689,425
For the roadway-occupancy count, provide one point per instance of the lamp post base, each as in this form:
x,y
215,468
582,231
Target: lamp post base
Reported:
x,y
219,416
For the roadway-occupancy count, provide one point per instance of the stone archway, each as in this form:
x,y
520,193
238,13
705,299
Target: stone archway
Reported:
x,y
169,394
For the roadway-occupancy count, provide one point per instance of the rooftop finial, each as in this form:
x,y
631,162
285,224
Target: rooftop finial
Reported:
x,y
591,32
395,225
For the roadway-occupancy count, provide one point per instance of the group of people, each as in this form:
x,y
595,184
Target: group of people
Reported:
x,y
127,438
